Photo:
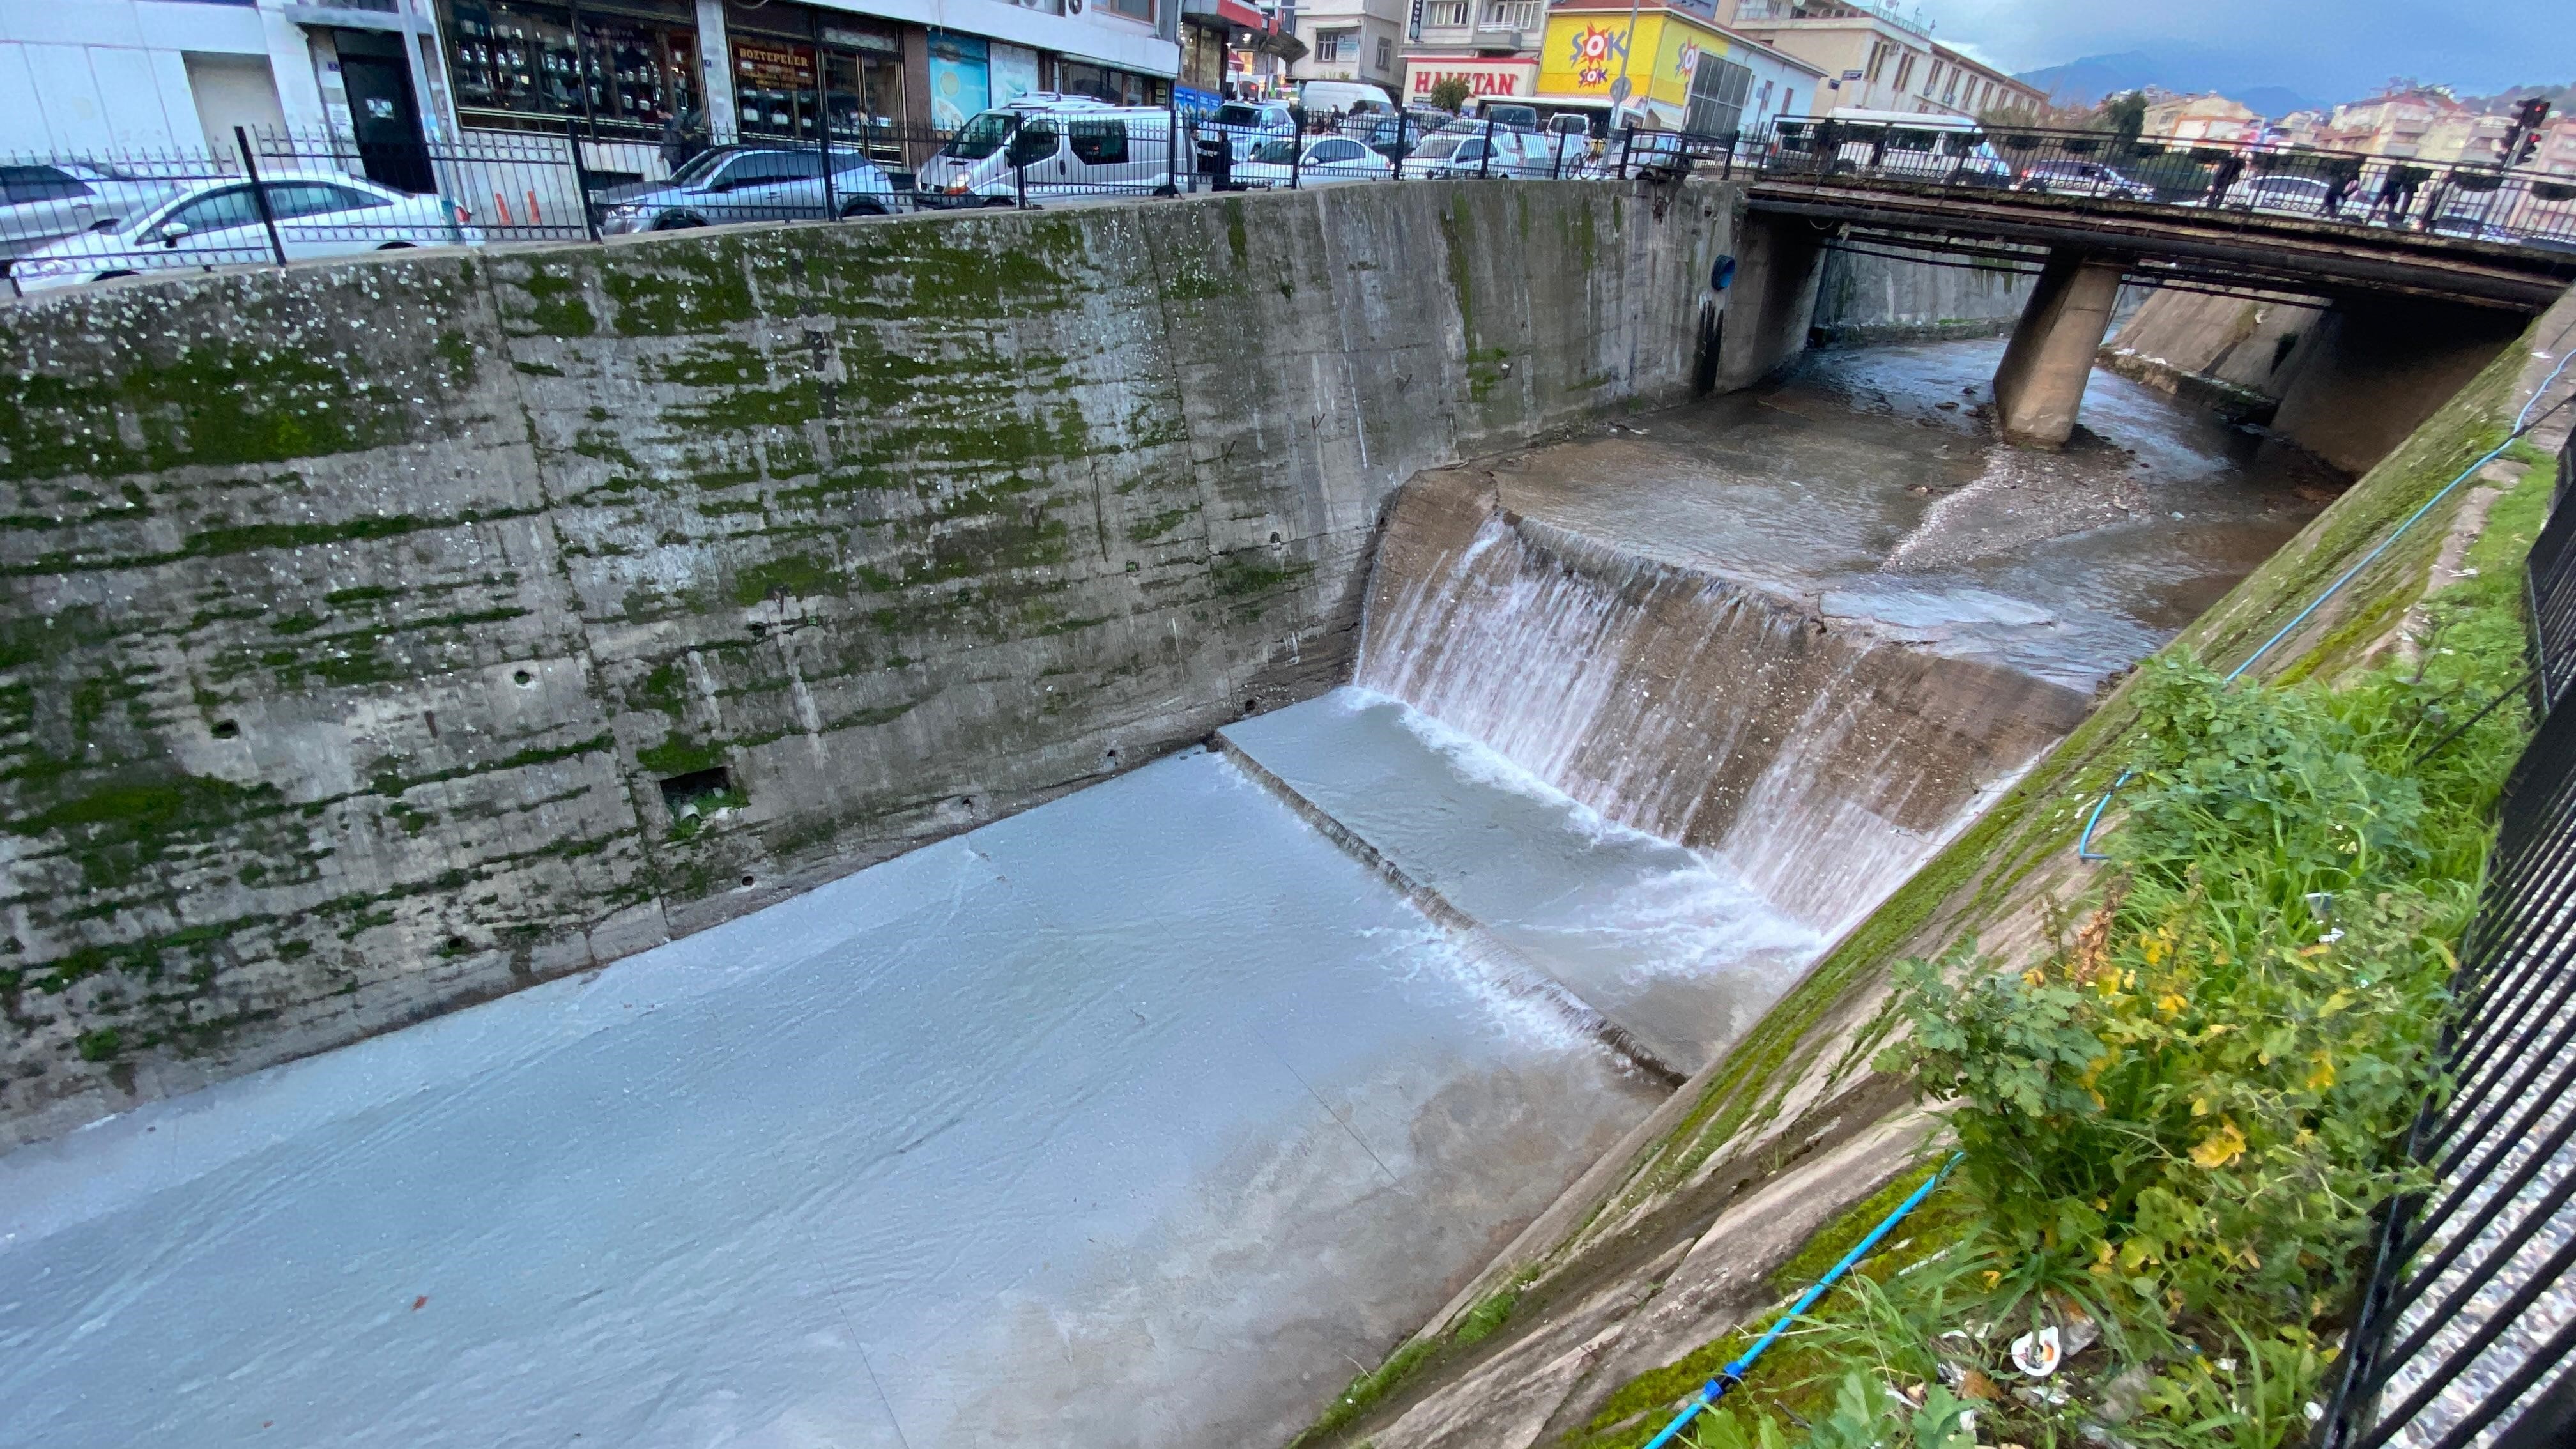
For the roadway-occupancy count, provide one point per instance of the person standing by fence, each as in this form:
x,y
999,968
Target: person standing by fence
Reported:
x,y
2223,176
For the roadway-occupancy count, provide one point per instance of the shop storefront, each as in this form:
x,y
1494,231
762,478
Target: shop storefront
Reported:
x,y
1681,72
793,67
1501,80
627,68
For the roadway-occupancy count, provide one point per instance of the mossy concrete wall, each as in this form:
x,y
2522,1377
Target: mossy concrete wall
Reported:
x,y
350,617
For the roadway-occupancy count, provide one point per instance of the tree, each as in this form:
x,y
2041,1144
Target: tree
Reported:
x,y
2124,116
1449,93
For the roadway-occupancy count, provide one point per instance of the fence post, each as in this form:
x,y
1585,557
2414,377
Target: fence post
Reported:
x,y
1555,153
580,178
1403,117
1297,148
823,114
1172,145
1485,163
259,195
1020,178
1627,148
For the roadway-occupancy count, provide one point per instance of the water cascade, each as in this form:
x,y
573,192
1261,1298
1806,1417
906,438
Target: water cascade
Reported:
x,y
1818,759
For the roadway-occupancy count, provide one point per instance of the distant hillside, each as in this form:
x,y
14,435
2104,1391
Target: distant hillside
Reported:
x,y
2087,81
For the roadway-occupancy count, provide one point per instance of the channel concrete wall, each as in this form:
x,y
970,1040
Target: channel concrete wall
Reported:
x,y
2348,381
372,635
1872,297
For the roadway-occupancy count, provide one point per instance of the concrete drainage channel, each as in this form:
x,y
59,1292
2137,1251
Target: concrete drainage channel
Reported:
x,y
1138,1092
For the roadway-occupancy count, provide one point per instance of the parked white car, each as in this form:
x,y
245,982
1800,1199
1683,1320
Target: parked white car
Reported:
x,y
1462,151
47,201
217,223
1326,160
1056,145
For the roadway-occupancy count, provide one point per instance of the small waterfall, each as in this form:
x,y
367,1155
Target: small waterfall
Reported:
x,y
1823,766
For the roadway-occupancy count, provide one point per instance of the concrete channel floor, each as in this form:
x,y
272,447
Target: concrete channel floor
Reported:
x,y
1134,1119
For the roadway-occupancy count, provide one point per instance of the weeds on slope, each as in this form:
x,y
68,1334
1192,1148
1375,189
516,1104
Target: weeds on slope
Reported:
x,y
2176,1124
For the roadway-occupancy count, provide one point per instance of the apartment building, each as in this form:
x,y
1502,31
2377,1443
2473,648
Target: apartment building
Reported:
x,y
1874,58
628,75
2393,124
1353,40
2210,117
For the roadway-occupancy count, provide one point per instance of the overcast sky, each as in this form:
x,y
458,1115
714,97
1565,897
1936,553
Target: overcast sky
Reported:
x,y
2332,49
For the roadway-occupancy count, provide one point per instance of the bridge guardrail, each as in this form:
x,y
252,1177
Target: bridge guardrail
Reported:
x,y
2468,200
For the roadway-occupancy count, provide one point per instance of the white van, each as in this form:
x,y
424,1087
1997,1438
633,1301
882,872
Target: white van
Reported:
x,y
1897,144
1058,146
1324,97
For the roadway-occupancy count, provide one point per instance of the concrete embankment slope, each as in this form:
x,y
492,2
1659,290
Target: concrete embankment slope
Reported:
x,y
379,637
2347,381
1670,1240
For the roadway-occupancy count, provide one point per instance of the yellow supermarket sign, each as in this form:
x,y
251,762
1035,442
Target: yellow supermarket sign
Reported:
x,y
1586,53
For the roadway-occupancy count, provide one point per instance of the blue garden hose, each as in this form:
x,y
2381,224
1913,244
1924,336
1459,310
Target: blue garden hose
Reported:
x,y
2521,424
1733,1374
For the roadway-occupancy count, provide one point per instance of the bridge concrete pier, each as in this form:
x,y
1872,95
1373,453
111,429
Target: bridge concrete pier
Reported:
x,y
2040,385
1779,262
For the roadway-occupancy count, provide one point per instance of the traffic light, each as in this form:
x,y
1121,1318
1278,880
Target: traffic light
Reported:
x,y
2522,139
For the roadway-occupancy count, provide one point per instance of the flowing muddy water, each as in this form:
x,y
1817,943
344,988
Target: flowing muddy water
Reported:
x,y
1144,1116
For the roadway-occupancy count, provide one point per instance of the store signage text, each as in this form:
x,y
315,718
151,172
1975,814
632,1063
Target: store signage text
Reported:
x,y
1479,82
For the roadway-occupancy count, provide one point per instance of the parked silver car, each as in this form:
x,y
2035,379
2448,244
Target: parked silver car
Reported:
x,y
750,183
1249,125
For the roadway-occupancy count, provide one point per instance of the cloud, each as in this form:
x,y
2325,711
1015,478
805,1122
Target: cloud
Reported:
x,y
2328,48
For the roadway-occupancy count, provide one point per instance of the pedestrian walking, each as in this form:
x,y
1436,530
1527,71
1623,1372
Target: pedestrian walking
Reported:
x,y
2338,187
2223,176
2396,194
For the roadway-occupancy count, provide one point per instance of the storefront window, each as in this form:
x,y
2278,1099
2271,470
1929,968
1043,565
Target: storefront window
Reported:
x,y
636,69
774,87
961,80
864,95
1118,87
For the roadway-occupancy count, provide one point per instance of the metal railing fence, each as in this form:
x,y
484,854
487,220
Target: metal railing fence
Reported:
x,y
275,197
2467,1322
279,197
2468,200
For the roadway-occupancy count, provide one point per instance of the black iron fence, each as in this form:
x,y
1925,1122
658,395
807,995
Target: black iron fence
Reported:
x,y
274,198
2477,201
2465,1332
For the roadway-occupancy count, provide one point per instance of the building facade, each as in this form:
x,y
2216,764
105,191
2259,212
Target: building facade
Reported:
x,y
630,77
1492,45
1666,67
1873,59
